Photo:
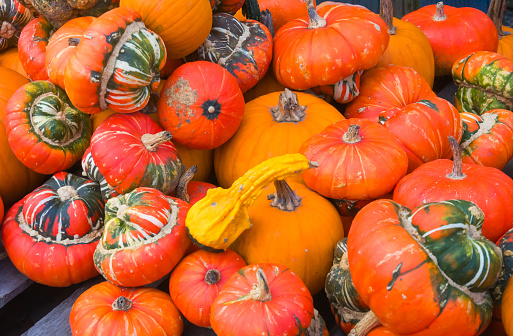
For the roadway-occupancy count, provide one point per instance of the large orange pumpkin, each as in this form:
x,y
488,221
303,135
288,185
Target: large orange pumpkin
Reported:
x,y
10,59
11,81
182,24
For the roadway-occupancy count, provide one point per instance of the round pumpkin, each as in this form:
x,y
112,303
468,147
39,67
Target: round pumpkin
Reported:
x,y
487,139
197,280
202,158
387,89
454,32
425,270
10,83
273,124
183,25
32,46
408,45
10,58
444,179
106,309
358,159
292,216
44,130
144,237
117,66
50,235
262,298
265,85
328,45
201,104
132,150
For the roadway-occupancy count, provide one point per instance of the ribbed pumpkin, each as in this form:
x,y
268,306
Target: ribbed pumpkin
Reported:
x,y
358,159
90,169
183,24
426,270
117,66
292,216
45,131
244,48
487,139
266,85
387,89
10,58
262,298
443,179
454,32
50,235
202,158
131,150
14,16
144,237
274,124
62,45
327,46
201,105
111,310
496,13
197,280
408,45
483,79
32,47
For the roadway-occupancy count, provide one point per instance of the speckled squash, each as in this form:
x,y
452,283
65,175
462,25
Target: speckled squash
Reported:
x,y
32,46
13,17
483,79
243,48
487,139
45,131
50,235
144,237
149,157
117,66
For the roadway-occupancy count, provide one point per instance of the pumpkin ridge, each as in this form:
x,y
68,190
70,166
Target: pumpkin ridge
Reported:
x,y
108,71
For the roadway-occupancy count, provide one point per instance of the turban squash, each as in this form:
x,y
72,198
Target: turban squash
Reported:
x,y
32,47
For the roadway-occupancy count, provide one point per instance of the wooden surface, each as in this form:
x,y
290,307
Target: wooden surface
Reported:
x,y
12,282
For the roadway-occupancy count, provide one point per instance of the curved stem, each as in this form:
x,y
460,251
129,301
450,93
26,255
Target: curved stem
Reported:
x,y
366,324
316,21
288,109
285,198
261,290
181,188
266,18
457,168
386,12
439,15
122,303
496,14
212,276
352,135
251,9
152,141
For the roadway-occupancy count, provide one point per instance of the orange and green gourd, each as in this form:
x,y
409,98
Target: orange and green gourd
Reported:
x,y
217,220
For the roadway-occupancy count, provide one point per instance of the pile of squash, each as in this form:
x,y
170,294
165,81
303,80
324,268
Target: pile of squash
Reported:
x,y
257,153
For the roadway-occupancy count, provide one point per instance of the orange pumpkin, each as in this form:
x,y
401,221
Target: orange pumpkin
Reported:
x,y
507,308
183,24
273,124
202,158
10,59
281,11
408,45
11,81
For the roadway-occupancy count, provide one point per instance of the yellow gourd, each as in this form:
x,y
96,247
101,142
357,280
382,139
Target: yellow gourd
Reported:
x,y
214,222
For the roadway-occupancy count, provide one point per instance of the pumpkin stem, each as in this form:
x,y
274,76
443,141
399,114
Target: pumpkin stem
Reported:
x,y
496,14
439,15
457,167
344,262
352,135
366,324
212,276
288,108
60,116
66,193
181,188
386,12
121,210
7,30
316,21
73,41
285,198
266,19
251,9
315,327
152,141
261,290
122,303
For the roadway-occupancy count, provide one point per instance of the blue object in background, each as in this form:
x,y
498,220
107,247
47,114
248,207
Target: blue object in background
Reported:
x,y
479,4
